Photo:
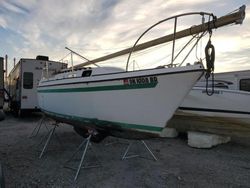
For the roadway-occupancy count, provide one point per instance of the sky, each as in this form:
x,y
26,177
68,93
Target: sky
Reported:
x,y
97,27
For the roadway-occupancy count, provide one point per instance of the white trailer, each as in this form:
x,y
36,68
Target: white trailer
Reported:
x,y
23,80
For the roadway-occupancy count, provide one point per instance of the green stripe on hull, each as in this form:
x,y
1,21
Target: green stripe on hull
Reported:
x,y
105,123
99,88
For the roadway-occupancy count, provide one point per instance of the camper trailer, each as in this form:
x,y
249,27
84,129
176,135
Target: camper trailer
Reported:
x,y
23,80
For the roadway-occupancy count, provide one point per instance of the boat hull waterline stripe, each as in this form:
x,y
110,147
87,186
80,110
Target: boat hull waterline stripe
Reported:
x,y
99,88
213,110
103,122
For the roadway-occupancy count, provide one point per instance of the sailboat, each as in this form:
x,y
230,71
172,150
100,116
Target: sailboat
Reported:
x,y
136,104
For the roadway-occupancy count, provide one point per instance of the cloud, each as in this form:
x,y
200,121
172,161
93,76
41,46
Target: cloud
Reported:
x,y
95,28
3,22
13,7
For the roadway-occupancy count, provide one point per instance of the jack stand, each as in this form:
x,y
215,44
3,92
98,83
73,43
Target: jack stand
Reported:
x,y
36,130
49,135
86,144
132,156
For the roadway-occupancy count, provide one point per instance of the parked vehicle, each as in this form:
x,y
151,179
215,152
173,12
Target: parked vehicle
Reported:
x,y
23,80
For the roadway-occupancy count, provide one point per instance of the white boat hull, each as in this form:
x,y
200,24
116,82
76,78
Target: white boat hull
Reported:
x,y
224,103
226,112
139,102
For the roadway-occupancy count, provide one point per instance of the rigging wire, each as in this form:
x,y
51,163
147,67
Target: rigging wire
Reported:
x,y
161,21
180,49
64,57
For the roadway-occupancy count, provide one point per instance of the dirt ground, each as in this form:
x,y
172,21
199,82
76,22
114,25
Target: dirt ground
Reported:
x,y
178,164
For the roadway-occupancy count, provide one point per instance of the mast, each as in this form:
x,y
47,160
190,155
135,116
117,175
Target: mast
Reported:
x,y
232,18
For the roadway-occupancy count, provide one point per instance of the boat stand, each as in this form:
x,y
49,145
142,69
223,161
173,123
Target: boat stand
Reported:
x,y
125,156
49,136
37,128
86,144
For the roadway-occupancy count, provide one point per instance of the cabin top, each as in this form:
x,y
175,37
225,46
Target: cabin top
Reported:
x,y
87,72
235,80
234,73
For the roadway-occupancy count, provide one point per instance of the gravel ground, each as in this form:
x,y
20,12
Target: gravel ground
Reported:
x,y
178,165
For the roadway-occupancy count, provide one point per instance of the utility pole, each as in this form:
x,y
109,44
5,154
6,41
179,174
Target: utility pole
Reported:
x,y
6,67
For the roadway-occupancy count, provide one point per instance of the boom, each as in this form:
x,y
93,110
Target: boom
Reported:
x,y
233,18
